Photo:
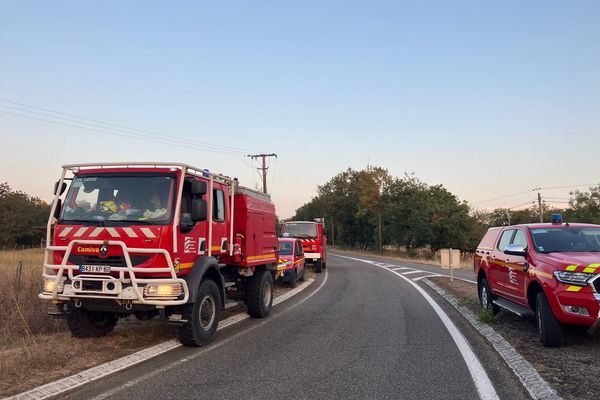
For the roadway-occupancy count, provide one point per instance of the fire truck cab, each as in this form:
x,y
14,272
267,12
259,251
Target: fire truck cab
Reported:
x,y
157,238
313,236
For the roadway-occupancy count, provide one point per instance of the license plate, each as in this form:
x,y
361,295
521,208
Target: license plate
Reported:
x,y
105,269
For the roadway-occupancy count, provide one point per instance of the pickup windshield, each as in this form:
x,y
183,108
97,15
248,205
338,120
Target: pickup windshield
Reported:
x,y
563,240
300,230
120,199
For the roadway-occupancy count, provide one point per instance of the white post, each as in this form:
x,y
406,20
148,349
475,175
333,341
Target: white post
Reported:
x,y
232,207
451,270
178,208
210,214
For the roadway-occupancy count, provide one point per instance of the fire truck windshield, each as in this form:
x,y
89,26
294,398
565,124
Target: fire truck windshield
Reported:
x,y
300,229
118,199
563,240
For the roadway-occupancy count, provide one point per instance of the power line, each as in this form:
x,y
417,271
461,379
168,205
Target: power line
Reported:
x,y
117,127
197,147
504,197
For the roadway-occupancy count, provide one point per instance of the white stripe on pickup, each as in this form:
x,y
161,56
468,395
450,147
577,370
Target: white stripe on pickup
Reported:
x,y
148,232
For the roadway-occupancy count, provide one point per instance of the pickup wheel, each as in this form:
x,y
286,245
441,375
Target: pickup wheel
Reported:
x,y
318,266
85,323
324,265
202,316
548,326
486,298
259,294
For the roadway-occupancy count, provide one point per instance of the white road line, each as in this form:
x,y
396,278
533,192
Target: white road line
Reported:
x,y
400,268
69,383
480,378
414,272
426,276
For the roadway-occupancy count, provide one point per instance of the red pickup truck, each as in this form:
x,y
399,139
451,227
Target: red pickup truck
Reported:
x,y
547,270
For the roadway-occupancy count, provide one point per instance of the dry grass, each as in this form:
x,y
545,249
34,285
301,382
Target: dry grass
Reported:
x,y
22,313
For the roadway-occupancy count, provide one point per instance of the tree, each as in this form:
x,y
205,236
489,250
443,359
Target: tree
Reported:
x,y
19,214
585,206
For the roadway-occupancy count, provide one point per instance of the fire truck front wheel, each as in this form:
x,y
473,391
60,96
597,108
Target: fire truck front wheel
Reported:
x,y
202,316
259,294
85,323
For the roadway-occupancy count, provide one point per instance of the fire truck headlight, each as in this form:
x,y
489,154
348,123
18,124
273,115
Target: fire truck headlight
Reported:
x,y
573,278
314,247
163,290
50,284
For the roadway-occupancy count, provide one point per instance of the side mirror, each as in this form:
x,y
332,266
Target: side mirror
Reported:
x,y
199,210
199,188
62,188
58,208
515,250
325,232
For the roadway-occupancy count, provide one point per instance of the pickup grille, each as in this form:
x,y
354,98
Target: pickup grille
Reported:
x,y
596,284
113,261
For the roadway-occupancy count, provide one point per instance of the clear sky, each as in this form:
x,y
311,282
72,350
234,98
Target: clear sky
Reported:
x,y
487,98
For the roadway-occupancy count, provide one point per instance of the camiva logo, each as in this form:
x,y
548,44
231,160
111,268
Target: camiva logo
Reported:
x,y
88,250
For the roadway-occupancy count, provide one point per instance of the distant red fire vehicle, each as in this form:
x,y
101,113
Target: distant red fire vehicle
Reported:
x,y
313,236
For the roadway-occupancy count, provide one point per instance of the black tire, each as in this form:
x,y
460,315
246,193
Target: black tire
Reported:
x,y
486,297
259,294
549,328
301,279
85,323
293,279
324,265
318,266
202,316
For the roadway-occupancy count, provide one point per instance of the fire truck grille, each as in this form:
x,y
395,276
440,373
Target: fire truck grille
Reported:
x,y
113,261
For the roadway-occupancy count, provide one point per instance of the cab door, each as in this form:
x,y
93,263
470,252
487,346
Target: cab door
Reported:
x,y
220,214
299,257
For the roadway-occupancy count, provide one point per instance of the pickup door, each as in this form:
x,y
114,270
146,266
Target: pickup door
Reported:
x,y
508,271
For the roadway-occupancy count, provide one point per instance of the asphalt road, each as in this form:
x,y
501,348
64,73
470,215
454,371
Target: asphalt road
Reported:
x,y
364,333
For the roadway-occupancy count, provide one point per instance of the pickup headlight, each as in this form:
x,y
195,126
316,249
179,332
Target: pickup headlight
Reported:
x,y
573,278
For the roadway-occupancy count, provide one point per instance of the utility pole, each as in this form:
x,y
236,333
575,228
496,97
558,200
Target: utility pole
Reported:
x,y
540,206
263,170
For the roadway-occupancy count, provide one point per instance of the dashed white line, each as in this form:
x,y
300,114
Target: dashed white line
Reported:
x,y
426,276
414,272
399,268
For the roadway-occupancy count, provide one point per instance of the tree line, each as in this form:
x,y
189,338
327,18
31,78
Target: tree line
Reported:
x,y
22,217
370,209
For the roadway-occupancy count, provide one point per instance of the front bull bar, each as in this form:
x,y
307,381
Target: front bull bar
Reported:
x,y
137,297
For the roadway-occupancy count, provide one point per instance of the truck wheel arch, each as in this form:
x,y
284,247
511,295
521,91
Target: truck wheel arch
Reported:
x,y
205,267
532,290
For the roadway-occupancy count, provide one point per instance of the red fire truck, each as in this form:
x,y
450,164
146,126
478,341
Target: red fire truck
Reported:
x,y
157,238
313,236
